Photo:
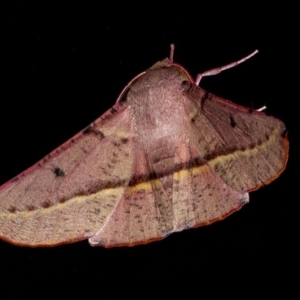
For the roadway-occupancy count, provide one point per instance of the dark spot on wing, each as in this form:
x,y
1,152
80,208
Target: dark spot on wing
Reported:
x,y
12,209
30,207
99,133
232,122
58,172
218,167
46,204
112,110
124,140
252,146
97,211
204,98
91,129
116,144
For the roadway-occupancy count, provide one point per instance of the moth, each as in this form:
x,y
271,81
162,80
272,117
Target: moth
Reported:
x,y
166,157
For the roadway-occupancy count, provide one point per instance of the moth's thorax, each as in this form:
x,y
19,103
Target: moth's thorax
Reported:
x,y
156,102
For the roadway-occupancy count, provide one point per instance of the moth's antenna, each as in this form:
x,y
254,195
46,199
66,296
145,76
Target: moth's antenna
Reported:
x,y
172,46
220,69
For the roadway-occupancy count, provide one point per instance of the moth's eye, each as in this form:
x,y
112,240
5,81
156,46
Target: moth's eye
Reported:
x,y
186,85
184,82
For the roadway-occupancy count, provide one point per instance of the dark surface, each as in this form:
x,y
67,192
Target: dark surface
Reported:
x,y
65,66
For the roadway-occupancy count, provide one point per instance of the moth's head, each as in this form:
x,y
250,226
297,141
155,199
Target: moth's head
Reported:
x,y
168,63
161,73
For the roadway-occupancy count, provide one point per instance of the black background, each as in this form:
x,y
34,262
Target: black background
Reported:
x,y
64,66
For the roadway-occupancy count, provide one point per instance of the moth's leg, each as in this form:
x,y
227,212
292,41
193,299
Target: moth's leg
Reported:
x,y
262,108
220,69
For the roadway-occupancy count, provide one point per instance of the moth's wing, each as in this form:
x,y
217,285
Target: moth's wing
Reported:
x,y
173,189
246,148
70,194
200,196
226,151
183,186
144,213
